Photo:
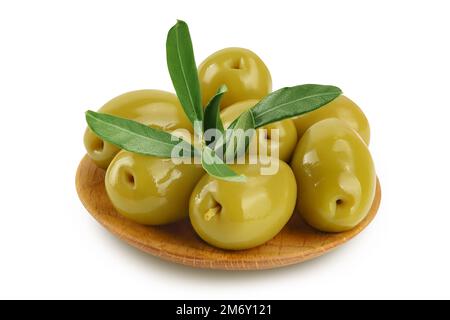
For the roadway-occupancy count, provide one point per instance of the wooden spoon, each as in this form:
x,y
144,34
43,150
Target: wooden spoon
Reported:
x,y
296,243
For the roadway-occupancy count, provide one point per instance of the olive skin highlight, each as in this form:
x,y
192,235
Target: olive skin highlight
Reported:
x,y
335,176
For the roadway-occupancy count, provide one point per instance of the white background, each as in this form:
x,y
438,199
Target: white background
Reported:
x,y
59,58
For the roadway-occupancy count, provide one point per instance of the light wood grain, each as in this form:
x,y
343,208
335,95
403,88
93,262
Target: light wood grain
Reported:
x,y
178,243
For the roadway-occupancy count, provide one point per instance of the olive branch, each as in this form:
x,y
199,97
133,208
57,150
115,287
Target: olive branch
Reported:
x,y
135,137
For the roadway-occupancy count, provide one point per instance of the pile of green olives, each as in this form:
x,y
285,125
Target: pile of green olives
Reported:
x,y
325,174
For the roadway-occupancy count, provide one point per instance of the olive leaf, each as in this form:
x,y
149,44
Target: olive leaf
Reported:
x,y
212,118
292,101
134,136
237,135
212,124
183,72
215,167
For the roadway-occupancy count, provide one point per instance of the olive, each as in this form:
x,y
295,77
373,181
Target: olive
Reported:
x,y
155,108
241,70
342,108
242,215
287,134
150,190
335,176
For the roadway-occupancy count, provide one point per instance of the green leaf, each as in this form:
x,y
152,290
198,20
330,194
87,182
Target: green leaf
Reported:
x,y
212,118
183,71
236,133
215,167
134,136
292,101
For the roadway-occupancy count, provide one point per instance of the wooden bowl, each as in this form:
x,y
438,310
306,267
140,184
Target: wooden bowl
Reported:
x,y
178,243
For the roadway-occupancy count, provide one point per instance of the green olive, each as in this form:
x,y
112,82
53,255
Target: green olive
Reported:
x,y
241,70
155,108
150,190
242,215
342,108
287,139
335,176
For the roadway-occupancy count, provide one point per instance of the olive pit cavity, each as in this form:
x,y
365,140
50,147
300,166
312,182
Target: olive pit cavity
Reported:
x,y
130,179
98,145
236,64
213,211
